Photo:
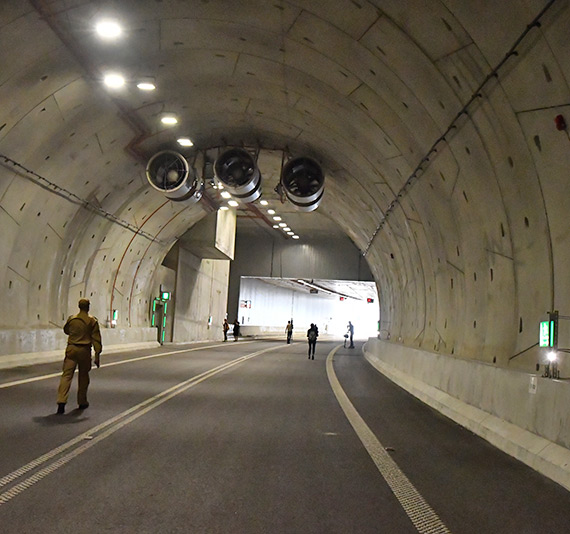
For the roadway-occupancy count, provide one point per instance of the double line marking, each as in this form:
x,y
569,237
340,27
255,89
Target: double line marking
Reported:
x,y
104,430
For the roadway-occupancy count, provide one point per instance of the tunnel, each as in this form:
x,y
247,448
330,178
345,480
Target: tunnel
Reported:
x,y
436,135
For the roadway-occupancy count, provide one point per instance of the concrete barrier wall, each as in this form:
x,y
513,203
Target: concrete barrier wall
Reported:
x,y
28,347
523,414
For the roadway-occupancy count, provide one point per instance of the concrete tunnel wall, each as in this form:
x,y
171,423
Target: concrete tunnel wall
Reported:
x,y
468,257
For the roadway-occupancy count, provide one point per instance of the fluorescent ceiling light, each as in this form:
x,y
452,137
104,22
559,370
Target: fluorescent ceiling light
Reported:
x,y
290,233
233,203
225,194
287,229
275,226
271,212
108,29
263,202
169,119
276,218
295,237
184,141
283,225
114,80
146,86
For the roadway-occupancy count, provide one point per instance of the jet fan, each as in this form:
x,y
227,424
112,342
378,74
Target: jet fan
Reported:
x,y
238,171
170,173
304,183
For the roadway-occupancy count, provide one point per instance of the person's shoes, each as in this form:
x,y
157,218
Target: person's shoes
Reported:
x,y
60,408
313,358
84,406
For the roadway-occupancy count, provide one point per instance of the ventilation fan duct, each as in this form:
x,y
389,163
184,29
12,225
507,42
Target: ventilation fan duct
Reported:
x,y
304,183
169,173
239,173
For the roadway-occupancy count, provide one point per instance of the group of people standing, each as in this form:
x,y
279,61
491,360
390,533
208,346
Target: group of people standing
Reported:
x,y
226,327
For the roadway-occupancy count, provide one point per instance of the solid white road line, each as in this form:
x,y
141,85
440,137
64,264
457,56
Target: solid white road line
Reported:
x,y
417,509
112,425
111,364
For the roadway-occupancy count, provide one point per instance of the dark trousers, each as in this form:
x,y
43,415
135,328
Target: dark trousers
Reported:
x,y
312,346
351,343
289,334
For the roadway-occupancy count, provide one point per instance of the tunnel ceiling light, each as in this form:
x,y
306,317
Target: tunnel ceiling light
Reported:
x,y
146,86
275,226
290,233
224,208
185,141
225,194
276,218
263,202
114,80
287,229
233,203
108,29
282,224
271,212
169,120
295,237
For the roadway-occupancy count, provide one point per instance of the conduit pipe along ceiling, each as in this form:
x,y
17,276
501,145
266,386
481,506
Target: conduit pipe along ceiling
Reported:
x,y
433,123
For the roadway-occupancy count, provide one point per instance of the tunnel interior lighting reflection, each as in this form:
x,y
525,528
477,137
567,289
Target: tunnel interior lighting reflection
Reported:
x,y
185,141
275,226
276,218
290,233
108,29
295,237
282,224
225,194
233,203
224,208
271,212
287,229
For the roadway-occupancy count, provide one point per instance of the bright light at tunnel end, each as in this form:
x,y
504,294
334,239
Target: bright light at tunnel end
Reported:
x,y
551,356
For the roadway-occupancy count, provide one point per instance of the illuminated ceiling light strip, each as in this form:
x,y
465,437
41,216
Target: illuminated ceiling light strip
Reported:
x,y
169,120
185,141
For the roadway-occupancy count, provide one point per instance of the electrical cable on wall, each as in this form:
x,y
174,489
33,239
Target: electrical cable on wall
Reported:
x,y
72,197
453,125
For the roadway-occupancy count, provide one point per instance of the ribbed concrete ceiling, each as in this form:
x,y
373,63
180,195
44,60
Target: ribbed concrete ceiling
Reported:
x,y
468,256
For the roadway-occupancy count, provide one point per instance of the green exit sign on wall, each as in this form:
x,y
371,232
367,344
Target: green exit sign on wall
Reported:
x,y
544,336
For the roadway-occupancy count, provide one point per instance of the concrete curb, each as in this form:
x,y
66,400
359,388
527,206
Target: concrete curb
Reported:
x,y
544,456
10,361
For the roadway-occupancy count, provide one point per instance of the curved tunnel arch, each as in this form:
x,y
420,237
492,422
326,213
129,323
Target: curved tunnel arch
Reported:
x,y
368,90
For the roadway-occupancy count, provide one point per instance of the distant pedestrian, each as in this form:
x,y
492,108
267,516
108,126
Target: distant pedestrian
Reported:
x,y
83,332
350,332
312,335
225,327
236,330
289,331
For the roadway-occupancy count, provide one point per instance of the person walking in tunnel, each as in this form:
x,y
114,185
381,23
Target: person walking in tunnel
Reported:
x,y
225,327
236,330
289,331
350,332
312,335
83,332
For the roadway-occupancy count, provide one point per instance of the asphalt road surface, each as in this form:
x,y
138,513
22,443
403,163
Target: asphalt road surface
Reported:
x,y
252,437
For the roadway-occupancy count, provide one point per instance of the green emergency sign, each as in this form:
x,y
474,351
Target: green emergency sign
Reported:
x,y
546,334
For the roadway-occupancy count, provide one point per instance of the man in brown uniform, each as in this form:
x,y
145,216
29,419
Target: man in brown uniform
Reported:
x,y
83,331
